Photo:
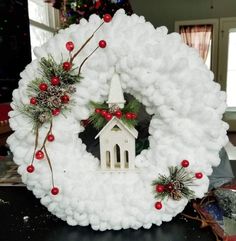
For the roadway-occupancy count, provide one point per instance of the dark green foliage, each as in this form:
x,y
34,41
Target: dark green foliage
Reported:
x,y
98,121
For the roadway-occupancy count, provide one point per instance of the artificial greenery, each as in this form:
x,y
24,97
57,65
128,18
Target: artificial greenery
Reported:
x,y
99,121
48,100
176,185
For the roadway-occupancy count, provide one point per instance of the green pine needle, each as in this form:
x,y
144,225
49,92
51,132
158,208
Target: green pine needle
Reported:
x,y
179,174
99,121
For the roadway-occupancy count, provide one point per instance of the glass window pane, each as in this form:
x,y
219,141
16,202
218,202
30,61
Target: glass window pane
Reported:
x,y
231,69
38,37
38,11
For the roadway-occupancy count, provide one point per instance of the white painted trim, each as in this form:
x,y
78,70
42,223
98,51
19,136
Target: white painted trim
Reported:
x,y
215,37
132,131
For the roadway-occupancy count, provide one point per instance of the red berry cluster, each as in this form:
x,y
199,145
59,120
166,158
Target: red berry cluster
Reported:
x,y
39,155
55,81
118,113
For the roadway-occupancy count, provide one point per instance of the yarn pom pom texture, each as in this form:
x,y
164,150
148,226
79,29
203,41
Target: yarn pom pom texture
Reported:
x,y
176,88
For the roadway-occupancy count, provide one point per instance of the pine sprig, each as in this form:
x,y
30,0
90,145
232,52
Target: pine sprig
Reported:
x,y
132,106
176,185
50,68
50,99
99,121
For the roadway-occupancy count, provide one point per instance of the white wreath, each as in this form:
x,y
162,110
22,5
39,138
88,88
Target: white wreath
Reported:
x,y
176,87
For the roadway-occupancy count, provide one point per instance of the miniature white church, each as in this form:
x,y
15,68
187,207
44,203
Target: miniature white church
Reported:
x,y
117,141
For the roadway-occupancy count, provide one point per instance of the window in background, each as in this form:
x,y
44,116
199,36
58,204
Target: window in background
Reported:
x,y
44,21
231,70
198,37
203,35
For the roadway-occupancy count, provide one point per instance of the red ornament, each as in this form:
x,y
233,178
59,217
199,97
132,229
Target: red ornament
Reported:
x,y
30,168
67,66
169,187
50,137
107,18
70,46
65,99
160,188
97,4
118,114
55,80
56,112
133,116
158,205
198,175
128,116
97,111
54,191
102,44
33,101
108,116
185,163
43,86
103,113
39,155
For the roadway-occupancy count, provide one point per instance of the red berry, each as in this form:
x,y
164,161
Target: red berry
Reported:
x,y
103,113
50,137
108,116
185,163
118,114
160,188
39,155
65,99
158,205
198,175
43,86
107,18
102,44
33,101
97,111
54,191
169,187
55,81
70,46
30,168
67,66
56,112
97,4
133,116
128,116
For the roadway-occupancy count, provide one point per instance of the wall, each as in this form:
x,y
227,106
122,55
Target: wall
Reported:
x,y
166,12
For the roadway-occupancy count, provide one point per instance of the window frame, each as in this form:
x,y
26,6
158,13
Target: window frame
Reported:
x,y
53,19
215,37
230,113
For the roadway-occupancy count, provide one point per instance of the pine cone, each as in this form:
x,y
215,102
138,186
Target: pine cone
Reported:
x,y
114,108
176,195
44,117
71,89
54,101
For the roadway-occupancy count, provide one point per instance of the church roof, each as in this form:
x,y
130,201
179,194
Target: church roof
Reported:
x,y
131,130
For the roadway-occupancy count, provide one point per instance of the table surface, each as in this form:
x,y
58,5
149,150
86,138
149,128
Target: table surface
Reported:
x,y
23,218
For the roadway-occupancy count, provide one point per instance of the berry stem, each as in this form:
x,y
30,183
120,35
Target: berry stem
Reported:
x,y
80,67
50,164
35,143
86,42
45,139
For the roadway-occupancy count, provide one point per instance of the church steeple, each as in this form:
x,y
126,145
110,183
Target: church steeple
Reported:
x,y
116,96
